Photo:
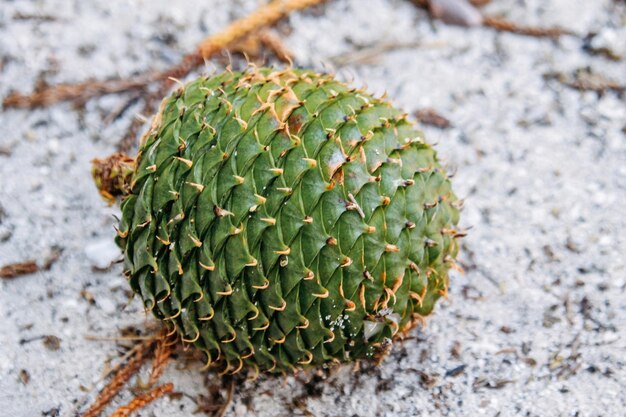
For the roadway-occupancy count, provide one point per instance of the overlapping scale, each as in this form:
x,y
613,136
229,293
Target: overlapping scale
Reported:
x,y
275,214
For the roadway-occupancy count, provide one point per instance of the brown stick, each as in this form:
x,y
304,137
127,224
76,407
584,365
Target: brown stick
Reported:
x,y
274,44
229,398
143,400
162,355
118,381
426,3
504,25
30,266
18,269
72,92
265,15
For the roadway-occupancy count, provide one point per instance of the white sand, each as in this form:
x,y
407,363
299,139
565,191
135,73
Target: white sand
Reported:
x,y
542,166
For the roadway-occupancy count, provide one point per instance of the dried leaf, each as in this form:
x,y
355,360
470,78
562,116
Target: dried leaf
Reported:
x,y
18,269
51,342
430,117
24,376
504,25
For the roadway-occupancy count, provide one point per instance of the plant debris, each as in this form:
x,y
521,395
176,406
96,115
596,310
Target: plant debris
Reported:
x,y
605,44
254,47
30,266
482,382
465,13
24,376
372,53
215,404
51,342
18,269
163,81
503,25
143,400
38,17
585,79
456,371
53,412
455,12
160,347
119,380
431,117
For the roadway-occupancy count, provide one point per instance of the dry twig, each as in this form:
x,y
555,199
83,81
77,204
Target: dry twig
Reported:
x,y
79,93
272,41
162,354
30,266
370,53
143,400
504,25
119,379
494,22
253,48
237,31
584,79
19,268
229,398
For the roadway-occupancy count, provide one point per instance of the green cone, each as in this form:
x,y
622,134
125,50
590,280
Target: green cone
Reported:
x,y
283,220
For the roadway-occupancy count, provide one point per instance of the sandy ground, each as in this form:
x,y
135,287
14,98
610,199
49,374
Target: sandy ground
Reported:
x,y
536,325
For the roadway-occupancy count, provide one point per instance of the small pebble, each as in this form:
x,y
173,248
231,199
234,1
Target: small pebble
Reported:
x,y
102,253
106,304
456,12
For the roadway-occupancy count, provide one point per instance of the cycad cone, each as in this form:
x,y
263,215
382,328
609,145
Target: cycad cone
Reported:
x,y
284,220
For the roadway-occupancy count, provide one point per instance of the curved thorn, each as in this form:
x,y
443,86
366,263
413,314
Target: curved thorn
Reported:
x,y
227,292
262,287
323,295
256,374
304,325
239,367
207,317
281,308
395,326
231,339
283,252
174,316
308,360
225,371
167,295
192,340
209,362
252,352
167,335
264,327
207,267
256,315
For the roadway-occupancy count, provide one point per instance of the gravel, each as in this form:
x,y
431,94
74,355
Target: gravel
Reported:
x,y
535,326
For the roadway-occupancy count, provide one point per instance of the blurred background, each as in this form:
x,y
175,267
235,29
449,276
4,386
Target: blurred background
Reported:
x,y
526,101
